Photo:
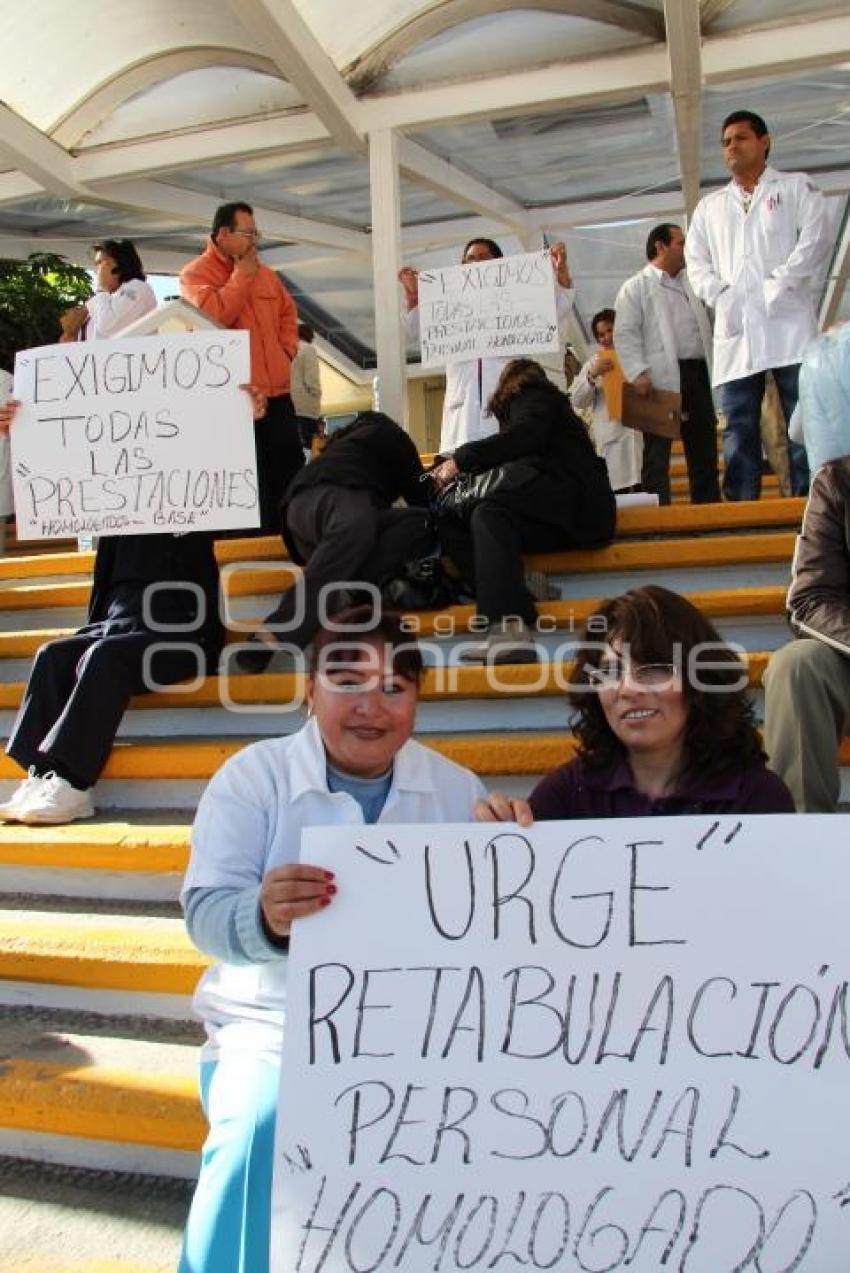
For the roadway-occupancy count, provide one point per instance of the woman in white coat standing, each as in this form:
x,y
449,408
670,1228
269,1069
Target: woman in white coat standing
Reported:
x,y
470,385
122,294
753,249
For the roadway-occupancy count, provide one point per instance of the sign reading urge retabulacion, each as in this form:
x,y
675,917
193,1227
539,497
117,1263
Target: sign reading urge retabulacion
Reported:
x,y
502,308
589,1046
132,436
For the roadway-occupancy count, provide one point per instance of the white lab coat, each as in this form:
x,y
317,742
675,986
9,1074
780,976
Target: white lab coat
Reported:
x,y
643,329
111,312
250,821
620,448
469,385
756,269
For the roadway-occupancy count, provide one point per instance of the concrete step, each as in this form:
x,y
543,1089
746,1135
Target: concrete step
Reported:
x,y
671,520
101,1092
249,580
58,1219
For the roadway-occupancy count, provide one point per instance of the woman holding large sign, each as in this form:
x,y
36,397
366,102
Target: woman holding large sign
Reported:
x,y
352,763
469,384
663,723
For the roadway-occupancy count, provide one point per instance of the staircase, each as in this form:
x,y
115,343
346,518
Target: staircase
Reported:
x,y
99,1049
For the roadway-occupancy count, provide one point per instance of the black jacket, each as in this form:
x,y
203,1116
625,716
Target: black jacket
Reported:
x,y
126,564
541,426
372,454
819,596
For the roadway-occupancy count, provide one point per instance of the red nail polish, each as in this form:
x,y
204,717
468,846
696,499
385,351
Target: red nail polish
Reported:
x,y
325,901
330,889
329,875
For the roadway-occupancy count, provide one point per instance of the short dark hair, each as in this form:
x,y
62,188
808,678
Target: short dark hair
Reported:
x,y
659,234
657,625
225,216
305,332
366,623
755,122
127,260
490,244
602,316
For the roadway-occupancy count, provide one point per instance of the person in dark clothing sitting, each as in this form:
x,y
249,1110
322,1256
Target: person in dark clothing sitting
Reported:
x,y
80,685
339,523
567,503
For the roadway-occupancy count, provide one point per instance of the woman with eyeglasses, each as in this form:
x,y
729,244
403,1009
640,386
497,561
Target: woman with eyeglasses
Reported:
x,y
663,723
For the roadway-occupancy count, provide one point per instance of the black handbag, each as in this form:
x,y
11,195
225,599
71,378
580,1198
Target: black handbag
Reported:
x,y
461,495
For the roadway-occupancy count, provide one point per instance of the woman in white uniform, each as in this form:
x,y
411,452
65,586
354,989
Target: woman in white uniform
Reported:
x,y
352,763
470,385
121,297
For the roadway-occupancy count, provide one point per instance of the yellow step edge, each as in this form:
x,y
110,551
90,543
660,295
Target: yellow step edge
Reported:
x,y
126,958
767,600
486,754
103,846
101,1104
543,680
637,520
641,555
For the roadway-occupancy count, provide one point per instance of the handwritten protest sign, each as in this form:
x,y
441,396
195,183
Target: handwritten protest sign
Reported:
x,y
148,433
592,1046
501,308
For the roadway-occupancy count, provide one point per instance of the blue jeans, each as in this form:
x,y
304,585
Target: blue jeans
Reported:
x,y
741,401
230,1219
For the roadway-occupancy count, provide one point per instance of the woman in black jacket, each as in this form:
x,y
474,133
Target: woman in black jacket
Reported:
x,y
567,503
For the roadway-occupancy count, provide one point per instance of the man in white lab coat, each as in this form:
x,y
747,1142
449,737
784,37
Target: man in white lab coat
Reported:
x,y
752,249
470,385
620,448
663,340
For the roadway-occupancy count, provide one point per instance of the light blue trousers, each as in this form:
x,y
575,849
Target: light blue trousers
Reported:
x,y
230,1218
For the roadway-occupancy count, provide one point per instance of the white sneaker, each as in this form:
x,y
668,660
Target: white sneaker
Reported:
x,y
56,802
23,792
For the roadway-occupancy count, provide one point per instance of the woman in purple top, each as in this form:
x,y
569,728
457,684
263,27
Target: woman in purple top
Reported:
x,y
663,723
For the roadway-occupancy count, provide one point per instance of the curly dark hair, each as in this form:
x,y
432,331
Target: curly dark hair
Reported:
x,y
659,626
517,375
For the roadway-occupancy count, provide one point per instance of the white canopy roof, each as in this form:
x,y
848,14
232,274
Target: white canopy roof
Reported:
x,y
584,119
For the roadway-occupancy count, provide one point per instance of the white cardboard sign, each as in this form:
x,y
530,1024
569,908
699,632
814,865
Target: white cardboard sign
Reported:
x,y
503,308
134,436
605,1045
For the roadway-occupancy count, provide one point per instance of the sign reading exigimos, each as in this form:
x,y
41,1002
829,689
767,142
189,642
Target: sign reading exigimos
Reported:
x,y
134,435
497,308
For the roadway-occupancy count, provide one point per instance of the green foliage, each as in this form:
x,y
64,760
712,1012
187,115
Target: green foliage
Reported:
x,y
33,295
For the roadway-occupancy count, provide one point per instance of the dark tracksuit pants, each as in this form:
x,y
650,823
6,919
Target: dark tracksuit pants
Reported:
x,y
345,538
77,693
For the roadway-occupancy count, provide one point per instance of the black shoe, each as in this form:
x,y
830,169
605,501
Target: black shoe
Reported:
x,y
255,660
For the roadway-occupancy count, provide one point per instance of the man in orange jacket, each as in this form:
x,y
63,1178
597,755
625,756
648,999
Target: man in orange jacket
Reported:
x,y
229,283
